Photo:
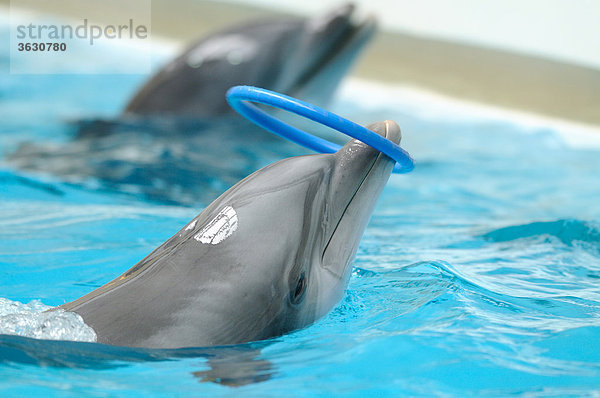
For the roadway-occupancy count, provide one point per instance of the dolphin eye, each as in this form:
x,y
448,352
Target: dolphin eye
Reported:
x,y
299,290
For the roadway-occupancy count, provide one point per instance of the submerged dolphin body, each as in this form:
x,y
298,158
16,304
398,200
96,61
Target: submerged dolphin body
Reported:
x,y
305,58
270,255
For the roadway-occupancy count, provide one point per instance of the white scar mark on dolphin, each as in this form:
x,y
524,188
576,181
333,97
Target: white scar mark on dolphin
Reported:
x,y
235,48
191,226
219,228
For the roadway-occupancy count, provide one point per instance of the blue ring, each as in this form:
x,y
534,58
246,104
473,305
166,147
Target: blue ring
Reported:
x,y
239,97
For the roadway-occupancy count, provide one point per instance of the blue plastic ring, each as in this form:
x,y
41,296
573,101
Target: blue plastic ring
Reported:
x,y
239,97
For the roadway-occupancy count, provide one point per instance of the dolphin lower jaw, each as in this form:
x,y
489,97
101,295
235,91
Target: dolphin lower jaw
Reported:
x,y
337,259
355,172
341,216
341,248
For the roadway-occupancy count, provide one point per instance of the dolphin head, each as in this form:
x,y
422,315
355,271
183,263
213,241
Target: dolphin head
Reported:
x,y
292,231
301,57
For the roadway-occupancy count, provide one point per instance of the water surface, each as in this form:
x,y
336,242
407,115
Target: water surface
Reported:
x,y
478,273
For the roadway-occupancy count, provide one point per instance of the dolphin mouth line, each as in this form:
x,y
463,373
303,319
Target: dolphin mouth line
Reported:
x,y
365,177
352,35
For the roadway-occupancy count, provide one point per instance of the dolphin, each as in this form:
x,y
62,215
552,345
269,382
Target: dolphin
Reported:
x,y
168,143
270,255
305,58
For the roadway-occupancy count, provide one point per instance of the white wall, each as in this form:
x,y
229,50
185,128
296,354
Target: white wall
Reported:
x,y
567,30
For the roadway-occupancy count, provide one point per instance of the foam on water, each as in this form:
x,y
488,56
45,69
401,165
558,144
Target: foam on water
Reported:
x,y
34,320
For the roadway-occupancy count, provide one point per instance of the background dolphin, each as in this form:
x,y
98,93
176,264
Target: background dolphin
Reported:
x,y
269,256
178,141
306,58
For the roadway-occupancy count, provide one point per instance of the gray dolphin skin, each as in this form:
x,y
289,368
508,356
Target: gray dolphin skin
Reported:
x,y
305,58
272,254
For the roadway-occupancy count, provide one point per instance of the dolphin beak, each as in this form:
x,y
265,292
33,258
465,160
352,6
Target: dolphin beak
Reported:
x,y
325,53
359,177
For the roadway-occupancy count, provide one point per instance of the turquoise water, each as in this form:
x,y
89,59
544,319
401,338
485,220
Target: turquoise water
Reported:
x,y
478,274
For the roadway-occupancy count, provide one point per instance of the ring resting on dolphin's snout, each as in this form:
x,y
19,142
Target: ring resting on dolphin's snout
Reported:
x,y
272,254
238,97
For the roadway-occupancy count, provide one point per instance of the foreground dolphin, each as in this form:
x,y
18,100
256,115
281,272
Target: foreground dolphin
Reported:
x,y
270,255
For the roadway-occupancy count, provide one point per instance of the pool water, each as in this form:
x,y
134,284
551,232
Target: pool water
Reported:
x,y
479,272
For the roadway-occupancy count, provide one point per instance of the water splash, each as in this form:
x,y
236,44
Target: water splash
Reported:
x,y
32,320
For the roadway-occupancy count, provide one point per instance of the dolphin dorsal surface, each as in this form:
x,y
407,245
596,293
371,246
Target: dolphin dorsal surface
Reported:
x,y
272,254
